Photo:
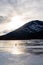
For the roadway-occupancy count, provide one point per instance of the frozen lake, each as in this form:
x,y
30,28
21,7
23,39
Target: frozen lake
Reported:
x,y
21,52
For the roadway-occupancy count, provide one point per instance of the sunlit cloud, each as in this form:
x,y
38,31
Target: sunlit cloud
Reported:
x,y
15,23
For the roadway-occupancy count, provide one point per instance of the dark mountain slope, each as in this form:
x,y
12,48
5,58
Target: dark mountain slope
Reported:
x,y
31,30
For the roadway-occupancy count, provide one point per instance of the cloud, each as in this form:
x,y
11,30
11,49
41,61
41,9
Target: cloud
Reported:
x,y
22,6
28,9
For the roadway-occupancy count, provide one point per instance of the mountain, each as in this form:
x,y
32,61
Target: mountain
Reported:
x,y
31,30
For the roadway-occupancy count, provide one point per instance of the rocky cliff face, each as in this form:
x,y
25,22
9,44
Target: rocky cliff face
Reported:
x,y
31,30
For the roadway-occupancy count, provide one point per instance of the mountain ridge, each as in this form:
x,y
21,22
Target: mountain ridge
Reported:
x,y
31,30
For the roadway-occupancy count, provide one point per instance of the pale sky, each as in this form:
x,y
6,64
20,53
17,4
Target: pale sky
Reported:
x,y
21,11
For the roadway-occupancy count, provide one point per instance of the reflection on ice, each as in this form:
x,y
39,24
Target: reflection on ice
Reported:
x,y
23,59
25,52
22,46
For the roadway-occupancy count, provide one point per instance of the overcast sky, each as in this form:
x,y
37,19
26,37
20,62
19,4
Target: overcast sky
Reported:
x,y
29,9
32,8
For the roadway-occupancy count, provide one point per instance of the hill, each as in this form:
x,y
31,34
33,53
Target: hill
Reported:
x,y
31,30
